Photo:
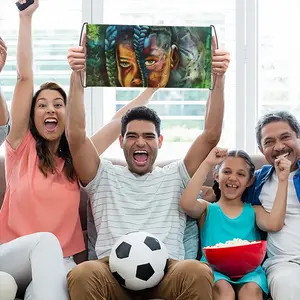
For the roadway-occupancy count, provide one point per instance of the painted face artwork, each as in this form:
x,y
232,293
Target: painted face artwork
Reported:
x,y
158,61
148,56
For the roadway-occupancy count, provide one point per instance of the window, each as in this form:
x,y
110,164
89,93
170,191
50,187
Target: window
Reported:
x,y
182,110
263,75
56,27
279,61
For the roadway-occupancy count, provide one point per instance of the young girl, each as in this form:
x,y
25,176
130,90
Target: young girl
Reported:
x,y
230,218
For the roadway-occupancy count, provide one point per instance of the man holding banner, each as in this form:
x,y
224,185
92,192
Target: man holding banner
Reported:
x,y
140,140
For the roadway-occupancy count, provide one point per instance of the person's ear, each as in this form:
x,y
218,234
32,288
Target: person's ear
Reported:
x,y
216,176
174,56
160,141
121,139
298,147
251,181
261,149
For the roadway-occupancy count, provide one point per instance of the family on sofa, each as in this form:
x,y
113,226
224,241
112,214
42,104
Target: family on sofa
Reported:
x,y
49,159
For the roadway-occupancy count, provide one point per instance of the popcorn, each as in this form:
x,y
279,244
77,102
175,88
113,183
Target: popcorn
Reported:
x,y
234,242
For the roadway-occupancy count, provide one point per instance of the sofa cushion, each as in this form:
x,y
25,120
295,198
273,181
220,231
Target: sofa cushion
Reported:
x,y
191,235
191,239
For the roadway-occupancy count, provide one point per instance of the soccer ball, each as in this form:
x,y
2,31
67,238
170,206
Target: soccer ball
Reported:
x,y
138,260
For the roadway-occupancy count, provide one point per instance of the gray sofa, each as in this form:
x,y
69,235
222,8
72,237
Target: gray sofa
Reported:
x,y
80,257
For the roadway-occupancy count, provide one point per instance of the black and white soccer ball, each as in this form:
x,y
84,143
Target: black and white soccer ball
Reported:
x,y
138,260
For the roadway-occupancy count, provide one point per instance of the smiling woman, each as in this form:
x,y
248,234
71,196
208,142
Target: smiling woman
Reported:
x,y
47,126
42,193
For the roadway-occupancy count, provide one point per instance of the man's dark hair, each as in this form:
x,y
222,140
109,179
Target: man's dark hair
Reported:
x,y
276,116
140,113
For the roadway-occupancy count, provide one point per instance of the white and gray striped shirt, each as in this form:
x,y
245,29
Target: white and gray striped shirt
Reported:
x,y
123,202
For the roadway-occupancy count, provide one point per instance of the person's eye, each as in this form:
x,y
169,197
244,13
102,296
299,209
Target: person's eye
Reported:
x,y
124,64
130,136
150,137
150,62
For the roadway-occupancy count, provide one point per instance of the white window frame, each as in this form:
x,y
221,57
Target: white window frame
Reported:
x,y
246,74
93,97
87,10
245,105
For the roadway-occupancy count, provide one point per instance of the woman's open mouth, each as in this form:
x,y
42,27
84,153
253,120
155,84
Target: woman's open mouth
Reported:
x,y
50,124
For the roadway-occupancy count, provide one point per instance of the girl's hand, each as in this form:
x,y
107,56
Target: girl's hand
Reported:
x,y
216,156
283,167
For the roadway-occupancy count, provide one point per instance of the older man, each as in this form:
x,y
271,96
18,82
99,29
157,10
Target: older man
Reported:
x,y
278,133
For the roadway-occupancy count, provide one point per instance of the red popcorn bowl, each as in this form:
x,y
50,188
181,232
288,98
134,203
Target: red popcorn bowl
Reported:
x,y
237,260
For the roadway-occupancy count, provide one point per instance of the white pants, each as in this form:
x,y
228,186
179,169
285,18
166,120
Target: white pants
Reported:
x,y
283,279
36,263
8,287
